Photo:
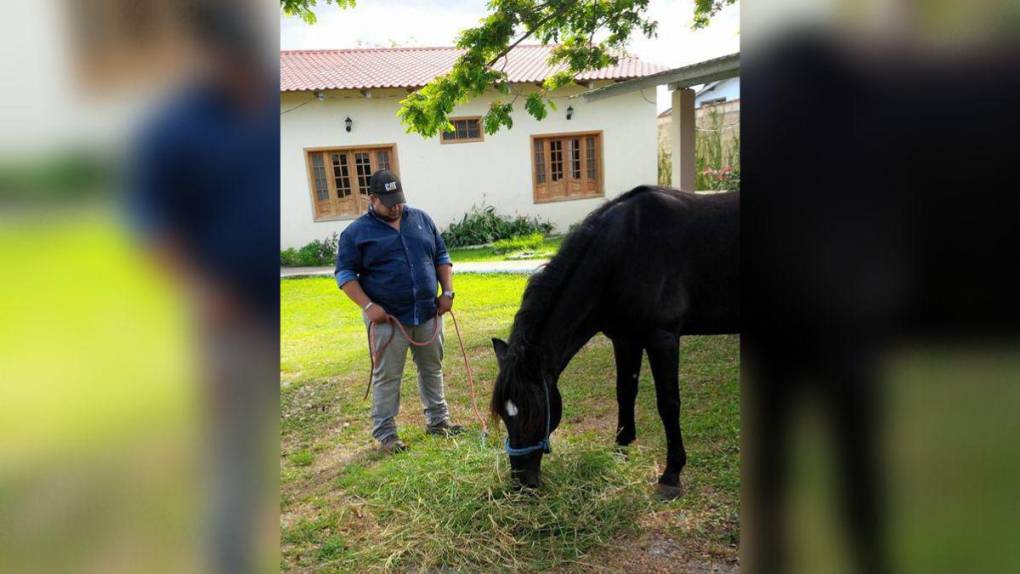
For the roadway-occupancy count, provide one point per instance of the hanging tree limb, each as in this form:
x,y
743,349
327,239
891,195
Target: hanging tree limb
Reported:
x,y
571,25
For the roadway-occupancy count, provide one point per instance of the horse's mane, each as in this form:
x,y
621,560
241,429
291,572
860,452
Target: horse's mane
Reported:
x,y
542,291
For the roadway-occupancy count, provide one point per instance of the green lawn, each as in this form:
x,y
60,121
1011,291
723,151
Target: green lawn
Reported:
x,y
345,508
78,297
98,400
549,247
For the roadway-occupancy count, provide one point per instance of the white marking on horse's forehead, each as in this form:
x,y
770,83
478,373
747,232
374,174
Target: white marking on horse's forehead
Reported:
x,y
511,409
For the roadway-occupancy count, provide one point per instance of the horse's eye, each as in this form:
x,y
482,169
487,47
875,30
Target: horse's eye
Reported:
x,y
511,409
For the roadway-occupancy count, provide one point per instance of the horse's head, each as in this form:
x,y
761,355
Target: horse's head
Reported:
x,y
530,408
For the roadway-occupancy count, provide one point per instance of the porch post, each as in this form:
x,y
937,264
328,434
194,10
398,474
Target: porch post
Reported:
x,y
681,135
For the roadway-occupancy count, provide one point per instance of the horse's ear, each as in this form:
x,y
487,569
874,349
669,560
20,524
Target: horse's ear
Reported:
x,y
500,347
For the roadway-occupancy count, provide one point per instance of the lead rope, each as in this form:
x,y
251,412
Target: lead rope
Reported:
x,y
375,354
471,380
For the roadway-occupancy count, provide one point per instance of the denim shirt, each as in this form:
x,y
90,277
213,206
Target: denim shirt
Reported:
x,y
396,269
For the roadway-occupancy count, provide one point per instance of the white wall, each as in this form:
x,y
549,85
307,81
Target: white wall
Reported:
x,y
729,89
445,180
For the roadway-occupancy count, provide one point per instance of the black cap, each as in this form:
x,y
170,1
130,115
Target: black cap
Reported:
x,y
386,185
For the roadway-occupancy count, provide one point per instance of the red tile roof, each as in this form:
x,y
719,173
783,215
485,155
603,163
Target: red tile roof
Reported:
x,y
304,70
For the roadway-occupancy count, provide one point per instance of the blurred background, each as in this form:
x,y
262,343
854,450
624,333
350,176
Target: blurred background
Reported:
x,y
880,350
137,364
138,307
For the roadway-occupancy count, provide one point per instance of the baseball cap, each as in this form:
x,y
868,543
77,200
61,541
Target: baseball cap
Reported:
x,y
386,185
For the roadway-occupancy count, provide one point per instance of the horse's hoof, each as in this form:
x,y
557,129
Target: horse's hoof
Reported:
x,y
666,492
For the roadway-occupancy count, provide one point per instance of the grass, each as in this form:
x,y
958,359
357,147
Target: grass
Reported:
x,y
67,343
98,401
546,249
452,506
448,503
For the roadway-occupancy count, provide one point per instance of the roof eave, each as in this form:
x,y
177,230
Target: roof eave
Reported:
x,y
686,76
418,87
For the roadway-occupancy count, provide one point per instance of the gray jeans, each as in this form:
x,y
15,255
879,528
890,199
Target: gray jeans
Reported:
x,y
390,369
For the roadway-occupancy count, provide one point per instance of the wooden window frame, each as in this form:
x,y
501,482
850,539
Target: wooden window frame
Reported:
x,y
331,179
481,132
599,165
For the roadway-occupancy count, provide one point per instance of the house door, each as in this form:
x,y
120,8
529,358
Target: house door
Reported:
x,y
556,184
346,199
573,167
566,166
366,162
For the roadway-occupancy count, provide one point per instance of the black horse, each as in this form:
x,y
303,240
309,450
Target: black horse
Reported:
x,y
644,269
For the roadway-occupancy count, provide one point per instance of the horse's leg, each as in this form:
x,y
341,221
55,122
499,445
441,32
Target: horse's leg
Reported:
x,y
628,366
664,358
775,388
851,396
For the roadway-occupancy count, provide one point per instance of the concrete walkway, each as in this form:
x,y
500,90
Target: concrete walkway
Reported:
x,y
526,267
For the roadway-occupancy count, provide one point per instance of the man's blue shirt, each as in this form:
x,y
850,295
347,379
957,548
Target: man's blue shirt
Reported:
x,y
396,269
200,178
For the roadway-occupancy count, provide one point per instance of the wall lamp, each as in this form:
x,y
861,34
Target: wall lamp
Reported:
x,y
349,123
570,112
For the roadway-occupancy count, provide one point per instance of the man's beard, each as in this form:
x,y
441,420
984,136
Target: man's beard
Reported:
x,y
393,216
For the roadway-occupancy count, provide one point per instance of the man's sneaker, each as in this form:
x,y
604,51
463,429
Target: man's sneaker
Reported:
x,y
393,445
444,428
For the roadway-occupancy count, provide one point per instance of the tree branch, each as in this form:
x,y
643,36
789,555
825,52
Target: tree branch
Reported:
x,y
528,34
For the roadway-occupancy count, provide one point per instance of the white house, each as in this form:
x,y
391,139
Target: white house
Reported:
x,y
681,128
338,124
726,90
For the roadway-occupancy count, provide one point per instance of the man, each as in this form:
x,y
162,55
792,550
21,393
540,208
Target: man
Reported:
x,y
200,156
388,262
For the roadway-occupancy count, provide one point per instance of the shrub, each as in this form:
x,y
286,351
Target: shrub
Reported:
x,y
315,254
715,152
529,242
725,179
289,257
483,225
665,169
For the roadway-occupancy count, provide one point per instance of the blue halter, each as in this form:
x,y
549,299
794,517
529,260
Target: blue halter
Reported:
x,y
544,445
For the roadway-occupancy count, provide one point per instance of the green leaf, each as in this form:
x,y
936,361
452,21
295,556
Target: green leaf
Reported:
x,y
498,115
571,24
535,106
305,9
557,81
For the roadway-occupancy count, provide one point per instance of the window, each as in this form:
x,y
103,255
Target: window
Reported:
x,y
116,44
464,130
339,178
567,166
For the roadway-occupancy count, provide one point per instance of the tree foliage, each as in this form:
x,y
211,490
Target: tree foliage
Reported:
x,y
569,24
306,8
704,10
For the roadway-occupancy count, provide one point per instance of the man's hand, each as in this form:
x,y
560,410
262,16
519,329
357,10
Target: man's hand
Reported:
x,y
444,304
376,314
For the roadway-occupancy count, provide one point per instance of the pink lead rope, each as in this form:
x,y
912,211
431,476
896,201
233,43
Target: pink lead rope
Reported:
x,y
376,354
